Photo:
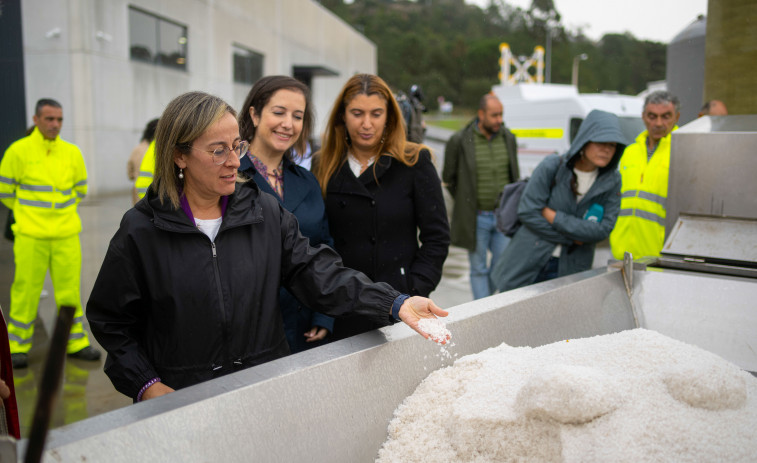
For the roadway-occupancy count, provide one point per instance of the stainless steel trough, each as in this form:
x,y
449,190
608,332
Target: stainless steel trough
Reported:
x,y
333,404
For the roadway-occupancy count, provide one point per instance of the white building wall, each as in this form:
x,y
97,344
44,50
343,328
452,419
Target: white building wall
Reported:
x,y
77,51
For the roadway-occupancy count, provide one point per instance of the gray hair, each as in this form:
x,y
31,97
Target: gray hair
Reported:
x,y
184,120
662,97
45,102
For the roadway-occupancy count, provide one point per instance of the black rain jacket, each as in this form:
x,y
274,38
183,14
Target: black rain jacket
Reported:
x,y
170,303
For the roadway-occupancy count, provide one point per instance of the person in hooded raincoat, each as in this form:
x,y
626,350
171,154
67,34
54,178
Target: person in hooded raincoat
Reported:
x,y
569,205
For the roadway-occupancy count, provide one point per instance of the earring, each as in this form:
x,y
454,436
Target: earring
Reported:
x,y
383,138
347,138
181,173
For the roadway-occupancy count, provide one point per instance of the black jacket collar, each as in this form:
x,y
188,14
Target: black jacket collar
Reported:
x,y
243,208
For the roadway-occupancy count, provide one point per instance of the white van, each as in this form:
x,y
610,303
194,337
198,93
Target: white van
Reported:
x,y
546,117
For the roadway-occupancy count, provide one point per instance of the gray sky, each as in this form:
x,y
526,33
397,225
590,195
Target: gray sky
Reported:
x,y
657,20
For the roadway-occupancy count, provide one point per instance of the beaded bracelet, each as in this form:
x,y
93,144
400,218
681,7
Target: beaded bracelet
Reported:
x,y
144,388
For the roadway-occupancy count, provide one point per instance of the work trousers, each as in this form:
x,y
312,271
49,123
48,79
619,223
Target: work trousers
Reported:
x,y
33,258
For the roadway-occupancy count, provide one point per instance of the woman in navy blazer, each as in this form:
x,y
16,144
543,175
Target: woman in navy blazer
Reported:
x,y
277,119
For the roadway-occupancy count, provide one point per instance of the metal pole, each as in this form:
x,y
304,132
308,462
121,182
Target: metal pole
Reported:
x,y
576,60
48,386
548,70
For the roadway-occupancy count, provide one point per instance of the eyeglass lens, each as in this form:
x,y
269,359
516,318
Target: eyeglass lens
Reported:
x,y
220,155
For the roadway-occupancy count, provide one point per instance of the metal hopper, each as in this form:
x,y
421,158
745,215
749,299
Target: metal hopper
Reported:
x,y
333,404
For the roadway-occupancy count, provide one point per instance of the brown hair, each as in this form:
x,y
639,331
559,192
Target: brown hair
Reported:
x,y
183,121
259,96
335,140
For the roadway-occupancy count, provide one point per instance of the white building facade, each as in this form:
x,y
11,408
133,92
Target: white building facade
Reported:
x,y
115,64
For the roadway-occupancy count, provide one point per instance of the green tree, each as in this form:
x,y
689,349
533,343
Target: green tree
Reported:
x,y
451,48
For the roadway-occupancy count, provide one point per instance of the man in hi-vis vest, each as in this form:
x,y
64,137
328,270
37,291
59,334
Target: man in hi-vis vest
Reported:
x,y
640,228
43,178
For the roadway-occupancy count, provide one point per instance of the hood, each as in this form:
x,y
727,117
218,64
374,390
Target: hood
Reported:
x,y
601,127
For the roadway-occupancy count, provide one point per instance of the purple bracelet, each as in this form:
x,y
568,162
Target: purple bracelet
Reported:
x,y
144,388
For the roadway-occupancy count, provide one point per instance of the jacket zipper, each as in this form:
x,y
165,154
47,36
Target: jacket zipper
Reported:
x,y
224,321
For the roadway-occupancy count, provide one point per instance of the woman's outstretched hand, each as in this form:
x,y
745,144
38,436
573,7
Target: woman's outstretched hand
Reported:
x,y
416,308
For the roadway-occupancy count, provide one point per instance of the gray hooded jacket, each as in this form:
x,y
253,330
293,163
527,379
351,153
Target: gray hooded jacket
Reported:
x,y
550,186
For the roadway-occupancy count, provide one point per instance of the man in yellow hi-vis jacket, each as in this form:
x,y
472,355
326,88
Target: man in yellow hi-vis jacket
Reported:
x,y
43,178
146,171
644,167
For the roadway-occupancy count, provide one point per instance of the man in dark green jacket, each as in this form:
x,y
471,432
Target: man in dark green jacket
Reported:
x,y
479,161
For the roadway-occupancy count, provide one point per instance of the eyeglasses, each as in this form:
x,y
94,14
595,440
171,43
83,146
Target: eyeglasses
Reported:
x,y
221,154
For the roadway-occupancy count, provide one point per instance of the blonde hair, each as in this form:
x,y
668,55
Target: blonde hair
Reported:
x,y
183,121
335,140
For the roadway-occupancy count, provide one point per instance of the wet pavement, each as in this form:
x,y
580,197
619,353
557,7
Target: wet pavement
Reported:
x,y
86,389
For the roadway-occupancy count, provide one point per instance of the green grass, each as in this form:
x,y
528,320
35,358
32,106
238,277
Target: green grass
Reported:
x,y
455,121
451,124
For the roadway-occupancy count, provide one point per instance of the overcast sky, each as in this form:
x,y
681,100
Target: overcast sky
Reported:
x,y
657,20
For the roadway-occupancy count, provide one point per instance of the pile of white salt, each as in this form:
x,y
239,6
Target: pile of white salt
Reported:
x,y
631,396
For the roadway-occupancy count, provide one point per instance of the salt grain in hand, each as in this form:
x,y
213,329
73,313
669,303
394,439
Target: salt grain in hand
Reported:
x,y
436,329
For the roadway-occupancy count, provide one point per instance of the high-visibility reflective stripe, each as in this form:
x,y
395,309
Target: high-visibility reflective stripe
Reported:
x,y
142,190
7,180
7,195
66,192
36,187
661,200
17,323
81,182
76,335
650,216
80,195
538,132
27,202
66,204
653,197
13,337
144,173
642,214
78,319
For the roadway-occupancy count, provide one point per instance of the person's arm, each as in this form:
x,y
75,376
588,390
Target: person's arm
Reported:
x,y
452,152
115,312
152,390
317,277
583,231
8,178
535,198
431,219
80,176
146,171
321,326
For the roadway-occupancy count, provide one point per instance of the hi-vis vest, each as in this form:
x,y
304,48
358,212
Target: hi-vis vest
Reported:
x,y
146,171
43,182
640,228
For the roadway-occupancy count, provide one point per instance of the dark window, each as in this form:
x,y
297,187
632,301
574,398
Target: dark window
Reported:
x,y
575,123
248,65
157,40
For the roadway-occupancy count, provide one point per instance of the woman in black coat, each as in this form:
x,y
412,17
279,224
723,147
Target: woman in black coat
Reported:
x,y
383,195
189,288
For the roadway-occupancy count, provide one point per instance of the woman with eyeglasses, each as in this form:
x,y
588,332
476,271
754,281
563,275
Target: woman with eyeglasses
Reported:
x,y
188,290
277,118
